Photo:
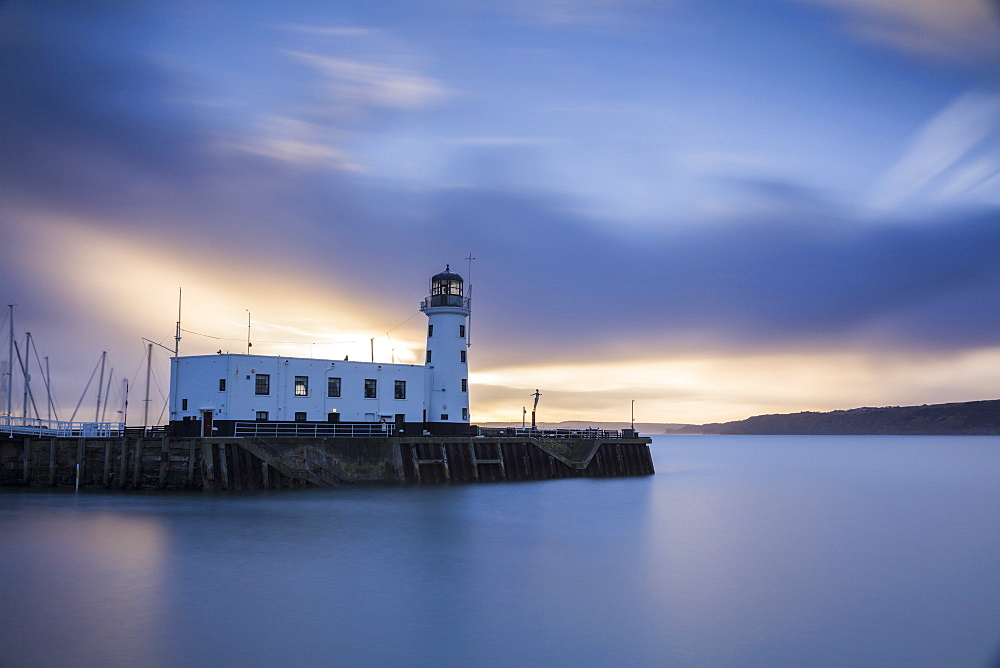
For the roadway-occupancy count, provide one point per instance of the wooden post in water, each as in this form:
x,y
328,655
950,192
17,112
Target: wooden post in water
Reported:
x,y
207,466
137,464
52,462
164,462
237,468
475,465
106,477
416,463
444,463
224,466
81,454
123,464
26,468
192,454
265,475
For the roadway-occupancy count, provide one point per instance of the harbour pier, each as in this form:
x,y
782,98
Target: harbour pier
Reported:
x,y
150,461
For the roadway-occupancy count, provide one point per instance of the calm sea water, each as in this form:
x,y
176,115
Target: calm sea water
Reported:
x,y
743,551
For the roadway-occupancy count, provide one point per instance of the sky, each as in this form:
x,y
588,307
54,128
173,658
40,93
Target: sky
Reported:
x,y
715,209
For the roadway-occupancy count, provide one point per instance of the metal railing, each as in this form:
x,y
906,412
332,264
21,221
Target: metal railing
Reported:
x,y
310,430
35,427
550,433
445,300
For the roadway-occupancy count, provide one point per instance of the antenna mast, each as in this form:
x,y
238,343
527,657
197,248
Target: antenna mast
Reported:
x,y
10,363
468,296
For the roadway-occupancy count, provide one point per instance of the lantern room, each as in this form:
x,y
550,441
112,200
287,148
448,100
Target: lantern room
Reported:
x,y
446,289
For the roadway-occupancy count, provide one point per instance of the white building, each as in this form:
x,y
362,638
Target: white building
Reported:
x,y
209,393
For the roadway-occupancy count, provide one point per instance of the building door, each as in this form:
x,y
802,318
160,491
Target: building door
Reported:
x,y
400,422
206,423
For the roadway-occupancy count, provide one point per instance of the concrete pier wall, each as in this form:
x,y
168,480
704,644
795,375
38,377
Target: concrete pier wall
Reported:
x,y
243,464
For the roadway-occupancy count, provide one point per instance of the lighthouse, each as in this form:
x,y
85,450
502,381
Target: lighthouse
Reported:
x,y
447,309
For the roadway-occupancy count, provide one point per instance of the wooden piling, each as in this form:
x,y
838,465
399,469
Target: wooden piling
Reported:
x,y
25,466
164,462
123,464
106,473
81,459
207,466
52,462
237,469
192,449
224,465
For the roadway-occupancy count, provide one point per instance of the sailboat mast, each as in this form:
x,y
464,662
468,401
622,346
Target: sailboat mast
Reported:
x,y
10,363
26,371
48,387
145,402
177,334
175,366
100,386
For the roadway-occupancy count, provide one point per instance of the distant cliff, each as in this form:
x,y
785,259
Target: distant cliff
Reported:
x,y
969,418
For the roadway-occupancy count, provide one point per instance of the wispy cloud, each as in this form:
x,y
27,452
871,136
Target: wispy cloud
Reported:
x,y
942,146
353,86
327,31
295,142
950,28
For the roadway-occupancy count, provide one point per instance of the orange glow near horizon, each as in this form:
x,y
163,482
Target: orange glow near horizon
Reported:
x,y
130,288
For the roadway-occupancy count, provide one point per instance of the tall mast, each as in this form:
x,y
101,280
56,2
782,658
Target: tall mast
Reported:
x,y
100,386
177,335
107,395
26,371
468,297
145,402
48,386
10,363
175,366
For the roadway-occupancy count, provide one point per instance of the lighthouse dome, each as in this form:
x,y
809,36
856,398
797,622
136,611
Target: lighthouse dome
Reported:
x,y
446,288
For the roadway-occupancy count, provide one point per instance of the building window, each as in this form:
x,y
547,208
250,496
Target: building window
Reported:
x,y
302,386
300,416
371,388
262,384
461,331
184,404
333,387
444,416
463,356
465,413
430,331
465,385
400,392
428,360
261,416
333,417
222,385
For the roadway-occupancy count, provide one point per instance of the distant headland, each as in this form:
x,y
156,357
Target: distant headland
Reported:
x,y
966,418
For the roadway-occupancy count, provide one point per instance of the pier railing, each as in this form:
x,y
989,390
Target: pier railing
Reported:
x,y
310,430
551,433
58,428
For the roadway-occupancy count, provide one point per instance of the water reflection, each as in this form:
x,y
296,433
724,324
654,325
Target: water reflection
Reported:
x,y
80,585
740,551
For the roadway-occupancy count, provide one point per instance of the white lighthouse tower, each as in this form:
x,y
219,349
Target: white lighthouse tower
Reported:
x,y
447,362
